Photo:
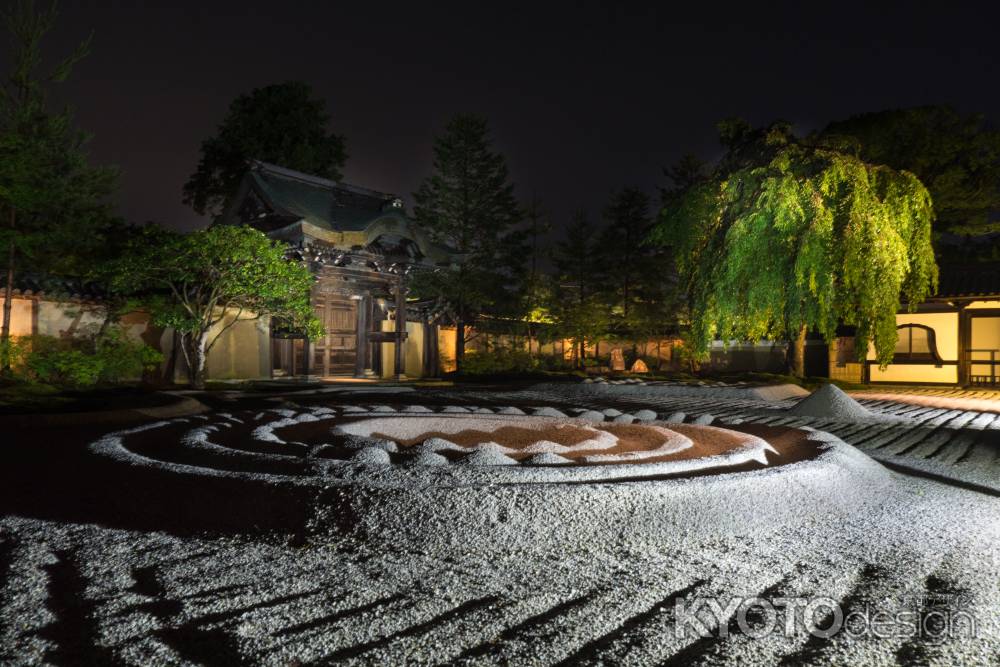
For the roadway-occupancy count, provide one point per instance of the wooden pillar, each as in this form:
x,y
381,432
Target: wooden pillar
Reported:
x,y
431,364
964,344
400,365
361,346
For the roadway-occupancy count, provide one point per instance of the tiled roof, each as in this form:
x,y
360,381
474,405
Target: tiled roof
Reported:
x,y
30,284
974,279
321,202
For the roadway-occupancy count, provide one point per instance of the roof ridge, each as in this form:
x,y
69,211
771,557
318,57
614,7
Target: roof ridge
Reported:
x,y
285,172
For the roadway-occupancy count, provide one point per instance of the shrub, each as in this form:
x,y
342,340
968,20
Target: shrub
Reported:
x,y
122,358
498,361
56,361
83,362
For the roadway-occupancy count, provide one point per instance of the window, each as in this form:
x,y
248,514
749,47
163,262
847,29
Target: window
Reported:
x,y
915,343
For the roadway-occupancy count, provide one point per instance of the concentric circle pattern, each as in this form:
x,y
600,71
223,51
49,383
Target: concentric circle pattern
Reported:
x,y
459,443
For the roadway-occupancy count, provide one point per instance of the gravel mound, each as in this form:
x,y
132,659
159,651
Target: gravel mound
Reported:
x,y
830,402
546,447
427,459
431,445
355,442
488,454
372,456
547,459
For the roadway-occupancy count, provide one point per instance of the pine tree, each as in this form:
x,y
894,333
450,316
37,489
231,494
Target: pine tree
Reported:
x,y
533,290
53,202
623,242
576,307
467,203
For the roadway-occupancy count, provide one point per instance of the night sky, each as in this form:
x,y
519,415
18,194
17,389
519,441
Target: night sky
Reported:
x,y
582,99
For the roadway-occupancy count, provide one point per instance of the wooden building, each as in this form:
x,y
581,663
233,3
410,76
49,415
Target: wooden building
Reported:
x,y
362,248
953,338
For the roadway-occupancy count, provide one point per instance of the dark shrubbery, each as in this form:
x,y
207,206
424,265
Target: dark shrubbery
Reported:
x,y
498,361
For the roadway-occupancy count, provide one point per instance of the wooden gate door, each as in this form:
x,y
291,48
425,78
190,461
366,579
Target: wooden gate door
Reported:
x,y
336,352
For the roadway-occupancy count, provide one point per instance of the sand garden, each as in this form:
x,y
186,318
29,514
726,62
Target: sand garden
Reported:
x,y
544,525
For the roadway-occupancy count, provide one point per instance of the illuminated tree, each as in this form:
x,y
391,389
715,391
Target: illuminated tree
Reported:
x,y
787,236
201,284
284,124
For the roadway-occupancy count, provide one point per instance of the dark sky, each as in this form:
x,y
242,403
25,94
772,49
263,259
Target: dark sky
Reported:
x,y
582,98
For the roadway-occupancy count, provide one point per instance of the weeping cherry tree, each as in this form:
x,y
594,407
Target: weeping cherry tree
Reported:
x,y
790,235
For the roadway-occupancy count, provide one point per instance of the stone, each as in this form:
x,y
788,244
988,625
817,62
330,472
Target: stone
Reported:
x,y
640,366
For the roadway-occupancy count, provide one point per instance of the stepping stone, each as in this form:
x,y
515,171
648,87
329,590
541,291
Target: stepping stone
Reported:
x,y
454,409
483,411
417,409
611,412
623,419
676,417
644,415
510,410
704,420
382,408
591,416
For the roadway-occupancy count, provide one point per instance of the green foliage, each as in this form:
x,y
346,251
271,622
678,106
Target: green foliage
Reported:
x,y
52,202
203,283
468,204
122,358
638,284
499,361
955,156
107,357
284,124
59,362
575,305
788,234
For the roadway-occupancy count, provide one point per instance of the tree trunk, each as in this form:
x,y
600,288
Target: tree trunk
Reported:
x,y
8,302
799,354
198,356
459,344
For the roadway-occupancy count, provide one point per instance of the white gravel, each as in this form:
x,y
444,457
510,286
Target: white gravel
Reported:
x,y
518,572
830,402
